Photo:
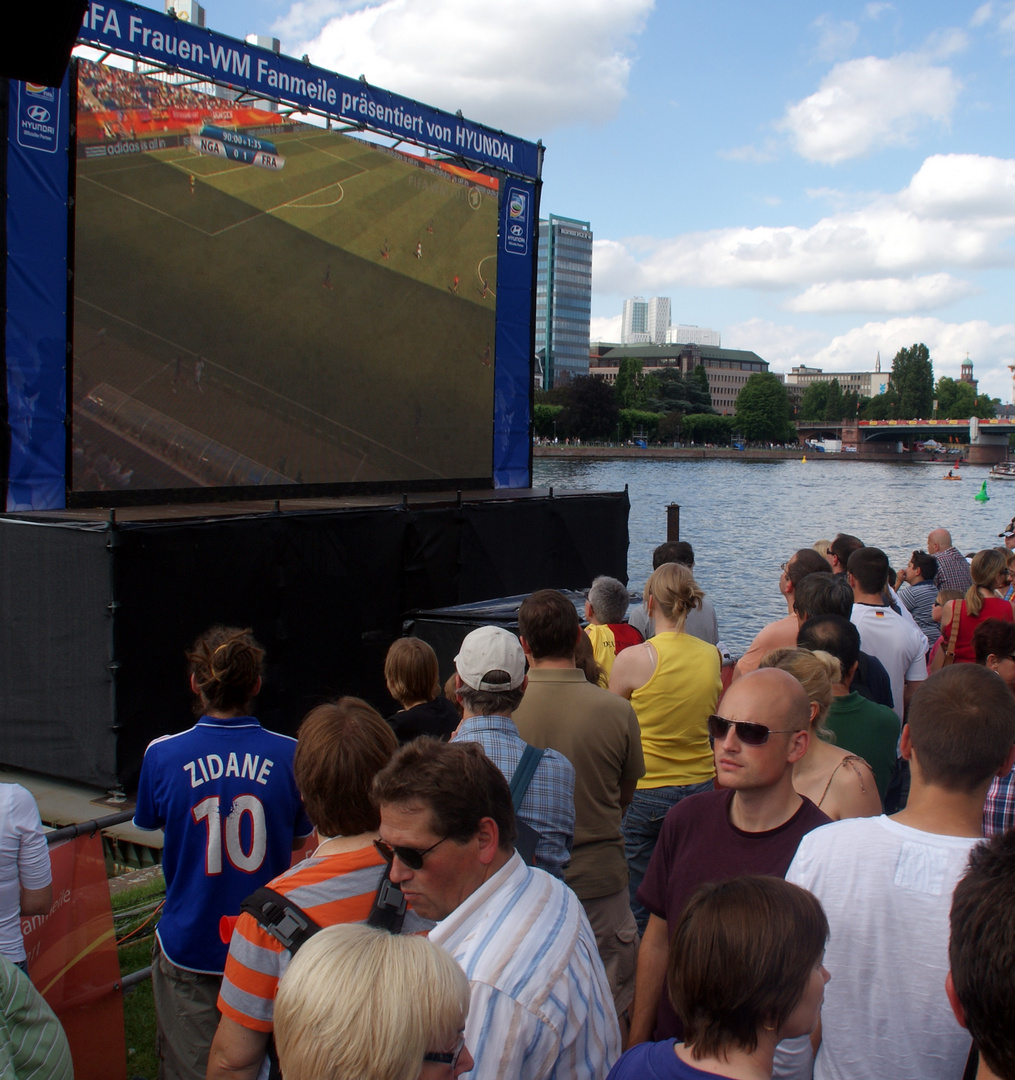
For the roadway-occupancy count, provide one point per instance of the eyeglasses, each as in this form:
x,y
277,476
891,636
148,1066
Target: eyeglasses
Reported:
x,y
412,857
749,734
447,1057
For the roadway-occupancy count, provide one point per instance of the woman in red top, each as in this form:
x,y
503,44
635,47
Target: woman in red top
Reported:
x,y
989,570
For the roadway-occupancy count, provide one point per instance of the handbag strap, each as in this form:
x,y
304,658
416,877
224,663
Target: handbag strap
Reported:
x,y
522,776
953,637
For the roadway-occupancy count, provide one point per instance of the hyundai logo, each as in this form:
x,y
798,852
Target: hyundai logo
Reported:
x,y
38,113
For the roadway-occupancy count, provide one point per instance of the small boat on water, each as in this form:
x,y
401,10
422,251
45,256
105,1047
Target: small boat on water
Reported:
x,y
1003,470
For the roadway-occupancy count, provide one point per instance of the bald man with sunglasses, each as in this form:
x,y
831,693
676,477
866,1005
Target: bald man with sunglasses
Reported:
x,y
751,824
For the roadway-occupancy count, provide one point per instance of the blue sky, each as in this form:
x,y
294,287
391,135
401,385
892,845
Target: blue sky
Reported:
x,y
820,184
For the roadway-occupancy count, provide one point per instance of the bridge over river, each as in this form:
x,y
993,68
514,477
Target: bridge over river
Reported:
x,y
987,439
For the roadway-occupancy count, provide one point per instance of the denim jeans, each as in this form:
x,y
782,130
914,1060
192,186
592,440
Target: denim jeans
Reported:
x,y
642,821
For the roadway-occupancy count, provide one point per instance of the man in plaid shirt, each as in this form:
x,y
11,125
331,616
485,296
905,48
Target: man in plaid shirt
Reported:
x,y
999,809
952,568
490,682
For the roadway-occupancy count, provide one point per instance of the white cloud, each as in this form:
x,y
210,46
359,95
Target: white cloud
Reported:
x,y
756,155
1007,26
545,65
982,14
781,345
875,11
306,17
615,268
870,102
958,211
991,347
835,39
921,293
963,187
946,42
605,329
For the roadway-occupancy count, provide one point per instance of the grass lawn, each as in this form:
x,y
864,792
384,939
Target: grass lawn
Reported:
x,y
130,909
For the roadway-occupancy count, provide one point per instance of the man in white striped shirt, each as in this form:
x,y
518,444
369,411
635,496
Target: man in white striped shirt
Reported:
x,y
541,1005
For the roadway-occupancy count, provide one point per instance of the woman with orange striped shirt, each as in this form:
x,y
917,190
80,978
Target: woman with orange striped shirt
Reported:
x,y
340,747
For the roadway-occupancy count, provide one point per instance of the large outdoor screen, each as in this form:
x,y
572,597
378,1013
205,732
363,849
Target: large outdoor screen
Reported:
x,y
260,302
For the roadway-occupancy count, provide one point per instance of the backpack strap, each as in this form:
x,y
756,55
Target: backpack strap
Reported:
x,y
279,916
388,911
522,777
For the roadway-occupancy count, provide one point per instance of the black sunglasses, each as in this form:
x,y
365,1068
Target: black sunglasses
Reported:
x,y
749,734
412,857
447,1057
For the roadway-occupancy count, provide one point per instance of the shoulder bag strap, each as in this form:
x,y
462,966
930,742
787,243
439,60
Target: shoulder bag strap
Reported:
x,y
523,774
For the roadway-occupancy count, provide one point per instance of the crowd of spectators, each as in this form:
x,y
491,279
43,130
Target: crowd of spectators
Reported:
x,y
605,851
110,89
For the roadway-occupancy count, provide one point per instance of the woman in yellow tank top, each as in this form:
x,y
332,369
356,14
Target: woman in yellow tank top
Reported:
x,y
673,683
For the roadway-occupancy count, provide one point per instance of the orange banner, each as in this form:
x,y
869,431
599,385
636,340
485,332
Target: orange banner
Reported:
x,y
73,961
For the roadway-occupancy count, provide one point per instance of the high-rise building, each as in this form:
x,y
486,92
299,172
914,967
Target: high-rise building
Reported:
x,y
693,335
634,324
563,298
186,11
645,322
658,319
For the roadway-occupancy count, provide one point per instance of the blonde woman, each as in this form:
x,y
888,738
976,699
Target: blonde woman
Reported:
x,y
839,783
982,601
358,1003
673,682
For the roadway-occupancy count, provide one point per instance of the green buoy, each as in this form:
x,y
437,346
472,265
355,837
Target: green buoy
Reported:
x,y
981,495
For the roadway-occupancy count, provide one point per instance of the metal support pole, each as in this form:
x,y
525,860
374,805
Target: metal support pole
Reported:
x,y
673,522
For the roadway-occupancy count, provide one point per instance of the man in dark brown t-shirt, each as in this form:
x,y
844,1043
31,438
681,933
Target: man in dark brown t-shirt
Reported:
x,y
751,825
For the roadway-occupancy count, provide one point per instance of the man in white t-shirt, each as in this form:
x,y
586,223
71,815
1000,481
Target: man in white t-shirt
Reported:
x,y
886,885
896,641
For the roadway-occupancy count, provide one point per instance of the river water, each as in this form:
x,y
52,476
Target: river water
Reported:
x,y
745,518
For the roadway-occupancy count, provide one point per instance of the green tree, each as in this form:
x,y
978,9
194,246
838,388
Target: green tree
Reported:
x,y
671,427
590,409
556,396
763,409
674,393
627,386
813,401
708,428
638,421
834,406
543,417
882,406
700,377
913,382
851,405
956,401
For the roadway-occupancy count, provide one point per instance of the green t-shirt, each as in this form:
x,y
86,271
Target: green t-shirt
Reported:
x,y
870,730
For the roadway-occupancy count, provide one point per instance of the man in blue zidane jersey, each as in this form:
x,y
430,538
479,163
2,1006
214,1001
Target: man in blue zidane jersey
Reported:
x,y
541,1004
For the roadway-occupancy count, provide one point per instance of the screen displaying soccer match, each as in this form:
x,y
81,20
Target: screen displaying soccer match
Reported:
x,y
262,302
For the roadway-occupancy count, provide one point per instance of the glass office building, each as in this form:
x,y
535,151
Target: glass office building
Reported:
x,y
563,299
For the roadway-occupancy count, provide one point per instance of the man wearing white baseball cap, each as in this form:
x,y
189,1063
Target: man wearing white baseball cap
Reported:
x,y
490,681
